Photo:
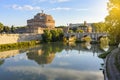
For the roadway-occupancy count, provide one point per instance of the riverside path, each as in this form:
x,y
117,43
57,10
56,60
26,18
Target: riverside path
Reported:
x,y
112,72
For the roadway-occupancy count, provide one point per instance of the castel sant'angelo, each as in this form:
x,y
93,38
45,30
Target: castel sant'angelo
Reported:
x,y
40,22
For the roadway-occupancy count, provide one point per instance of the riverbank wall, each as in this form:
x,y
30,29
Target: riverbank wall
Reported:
x,y
14,38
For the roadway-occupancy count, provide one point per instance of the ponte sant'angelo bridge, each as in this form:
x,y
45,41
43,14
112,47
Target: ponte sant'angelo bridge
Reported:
x,y
94,36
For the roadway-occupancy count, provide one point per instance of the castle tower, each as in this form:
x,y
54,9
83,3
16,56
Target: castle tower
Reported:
x,y
40,20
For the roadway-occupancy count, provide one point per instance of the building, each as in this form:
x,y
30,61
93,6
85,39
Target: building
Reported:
x,y
86,27
40,22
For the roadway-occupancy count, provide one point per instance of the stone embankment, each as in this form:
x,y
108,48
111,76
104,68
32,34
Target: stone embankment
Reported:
x,y
14,38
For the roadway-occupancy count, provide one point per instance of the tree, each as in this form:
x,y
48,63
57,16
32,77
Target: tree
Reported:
x,y
52,35
55,35
47,36
80,31
113,20
12,29
6,29
87,39
61,26
70,31
61,34
1,27
100,27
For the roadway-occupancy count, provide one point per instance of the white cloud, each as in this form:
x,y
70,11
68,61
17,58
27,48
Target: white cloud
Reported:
x,y
30,8
50,1
61,8
42,0
82,9
58,1
68,9
25,7
56,73
37,1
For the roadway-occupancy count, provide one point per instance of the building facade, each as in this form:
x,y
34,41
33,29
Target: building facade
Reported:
x,y
39,22
86,27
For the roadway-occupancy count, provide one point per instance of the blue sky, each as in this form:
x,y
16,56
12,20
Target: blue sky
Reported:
x,y
16,12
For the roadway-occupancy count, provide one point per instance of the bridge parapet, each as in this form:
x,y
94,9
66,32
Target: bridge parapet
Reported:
x,y
94,36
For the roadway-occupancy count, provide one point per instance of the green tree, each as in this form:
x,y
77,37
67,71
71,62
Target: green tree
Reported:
x,y
87,39
1,27
61,34
113,20
6,29
70,31
55,35
52,35
61,26
100,27
47,36
12,29
80,31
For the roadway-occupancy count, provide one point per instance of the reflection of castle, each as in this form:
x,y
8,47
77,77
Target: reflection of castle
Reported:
x,y
40,21
40,57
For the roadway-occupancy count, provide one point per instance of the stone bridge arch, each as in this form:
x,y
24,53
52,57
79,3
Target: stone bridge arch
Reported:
x,y
94,36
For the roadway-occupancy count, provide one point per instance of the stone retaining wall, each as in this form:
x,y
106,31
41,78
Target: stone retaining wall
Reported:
x,y
14,38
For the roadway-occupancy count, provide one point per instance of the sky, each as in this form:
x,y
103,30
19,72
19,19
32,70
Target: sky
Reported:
x,y
17,12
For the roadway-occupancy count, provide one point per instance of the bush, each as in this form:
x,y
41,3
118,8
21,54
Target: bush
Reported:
x,y
17,45
52,35
104,55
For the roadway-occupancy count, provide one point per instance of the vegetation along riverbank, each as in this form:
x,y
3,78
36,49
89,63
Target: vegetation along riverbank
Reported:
x,y
18,45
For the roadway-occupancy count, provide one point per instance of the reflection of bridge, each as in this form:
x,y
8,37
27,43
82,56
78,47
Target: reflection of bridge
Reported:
x,y
81,47
94,36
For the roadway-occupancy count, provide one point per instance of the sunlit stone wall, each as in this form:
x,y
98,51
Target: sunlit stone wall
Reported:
x,y
14,38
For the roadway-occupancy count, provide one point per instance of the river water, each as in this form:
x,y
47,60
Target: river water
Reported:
x,y
52,61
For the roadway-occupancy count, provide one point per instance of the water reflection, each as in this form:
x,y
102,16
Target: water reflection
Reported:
x,y
40,57
77,62
36,73
1,61
7,54
104,43
104,47
45,53
87,45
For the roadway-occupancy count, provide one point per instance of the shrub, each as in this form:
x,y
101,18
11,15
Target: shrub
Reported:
x,y
104,55
17,45
52,35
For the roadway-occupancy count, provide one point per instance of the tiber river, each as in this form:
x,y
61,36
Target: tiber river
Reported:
x,y
53,61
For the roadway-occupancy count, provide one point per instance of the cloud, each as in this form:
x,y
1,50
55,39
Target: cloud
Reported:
x,y
25,7
30,8
59,1
61,8
50,1
55,73
82,9
68,9
42,0
37,1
